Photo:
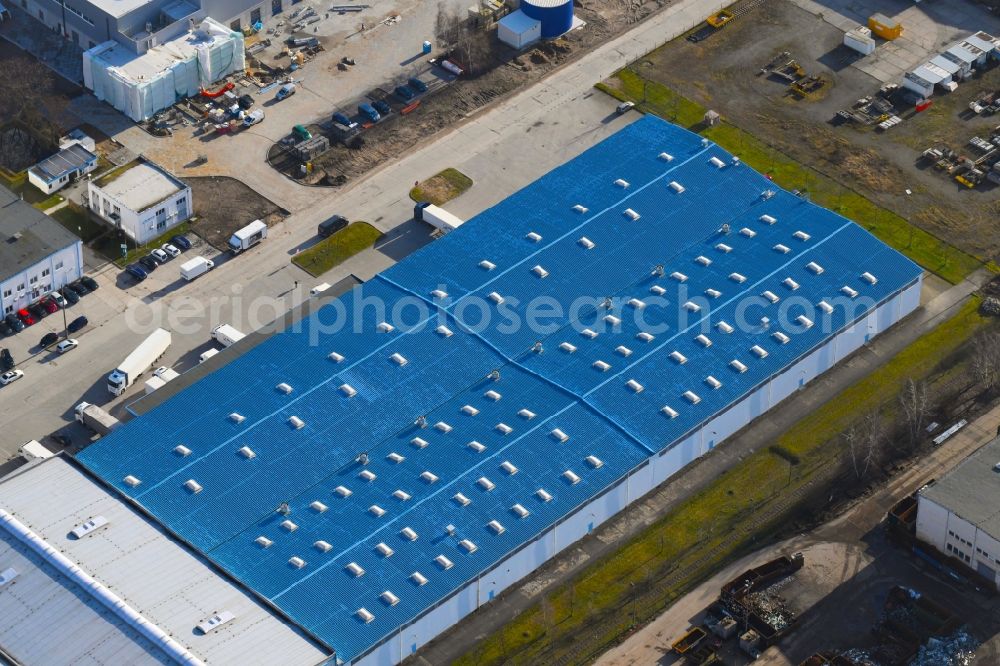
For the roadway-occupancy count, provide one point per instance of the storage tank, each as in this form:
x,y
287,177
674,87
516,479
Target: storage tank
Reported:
x,y
556,16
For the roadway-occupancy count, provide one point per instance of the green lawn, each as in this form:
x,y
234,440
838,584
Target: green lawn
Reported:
x,y
337,249
110,246
441,187
925,249
76,220
49,202
711,528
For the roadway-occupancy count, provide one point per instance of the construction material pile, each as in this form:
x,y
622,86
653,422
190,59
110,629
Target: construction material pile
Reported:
x,y
958,649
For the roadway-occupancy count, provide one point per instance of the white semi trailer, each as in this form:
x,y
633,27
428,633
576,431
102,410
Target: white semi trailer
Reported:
x,y
227,335
437,217
138,362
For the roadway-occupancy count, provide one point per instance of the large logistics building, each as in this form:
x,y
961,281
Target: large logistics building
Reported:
x,y
387,465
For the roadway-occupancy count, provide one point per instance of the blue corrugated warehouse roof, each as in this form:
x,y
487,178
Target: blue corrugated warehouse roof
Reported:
x,y
598,386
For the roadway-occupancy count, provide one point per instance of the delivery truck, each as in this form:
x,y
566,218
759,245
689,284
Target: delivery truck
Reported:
x,y
160,377
437,217
248,236
34,450
227,335
95,418
194,267
138,362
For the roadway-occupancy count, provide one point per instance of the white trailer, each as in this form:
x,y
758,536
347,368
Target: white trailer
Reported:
x,y
95,418
160,377
194,267
33,450
437,217
136,363
207,355
248,236
227,335
860,39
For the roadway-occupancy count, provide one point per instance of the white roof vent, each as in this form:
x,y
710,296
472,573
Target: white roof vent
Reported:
x,y
386,327
678,357
296,422
408,533
487,265
540,272
237,418
384,550
503,428
645,336
322,546
289,526
335,357
737,366
367,475
601,366
526,414
468,546
246,452
284,388
770,295
318,506
676,187
364,615
388,598
348,390
634,386
691,306
691,397
469,410
621,183
703,340
401,495
520,511
496,527
571,476
297,562
748,232
680,277
869,278
91,526
428,477
825,307
580,209
419,442
737,278
713,382
622,350
703,260
441,426
722,247
443,562
476,446
559,435
439,294
636,303
804,321
443,331
669,411
780,337
355,570
395,457
716,162
631,214
533,237
594,462
790,283
768,219
588,333
612,320
461,499
131,481
343,491
485,484
657,289
586,243
802,236
724,327
713,293
543,495
567,347
759,351
263,542
418,578
216,621
783,249
495,297
398,359
492,395
193,486
666,157
847,291
814,268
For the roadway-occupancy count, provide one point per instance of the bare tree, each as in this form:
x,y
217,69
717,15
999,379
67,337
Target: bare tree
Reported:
x,y
985,364
864,442
915,406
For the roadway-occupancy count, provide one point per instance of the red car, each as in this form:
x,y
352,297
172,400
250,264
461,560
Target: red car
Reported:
x,y
49,304
25,317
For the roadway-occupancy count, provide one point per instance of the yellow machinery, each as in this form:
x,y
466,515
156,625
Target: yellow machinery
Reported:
x,y
720,19
885,27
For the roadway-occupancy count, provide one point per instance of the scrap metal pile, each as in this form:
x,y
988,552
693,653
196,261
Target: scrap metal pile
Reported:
x,y
978,163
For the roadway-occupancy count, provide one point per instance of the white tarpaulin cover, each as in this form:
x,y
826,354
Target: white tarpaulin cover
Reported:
x,y
139,86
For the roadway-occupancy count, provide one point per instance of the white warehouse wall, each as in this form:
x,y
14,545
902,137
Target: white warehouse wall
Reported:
x,y
62,266
640,481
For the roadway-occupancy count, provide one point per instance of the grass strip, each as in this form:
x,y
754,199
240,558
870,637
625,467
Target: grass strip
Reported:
x,y
442,187
337,249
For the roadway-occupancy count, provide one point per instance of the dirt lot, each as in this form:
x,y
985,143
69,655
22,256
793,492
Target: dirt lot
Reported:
x,y
224,205
722,73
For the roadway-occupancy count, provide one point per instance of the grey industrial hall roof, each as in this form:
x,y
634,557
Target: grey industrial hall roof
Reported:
x,y
65,161
27,235
972,489
161,579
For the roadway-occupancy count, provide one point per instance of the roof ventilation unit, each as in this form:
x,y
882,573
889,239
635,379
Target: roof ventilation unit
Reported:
x,y
318,506
869,278
770,295
571,477
703,340
297,562
395,457
586,243
246,452
676,187
724,327
825,307
644,336
443,331
520,511
496,527
353,569
503,429
348,390
263,542
622,350
476,446
713,293
439,294
94,524
469,410
612,320
364,615
296,422
814,268
384,550
443,562
284,388
738,278
343,491
487,265
485,484
468,546
631,214
540,272
131,481
492,395
768,219
621,183
335,357
526,414
666,157
636,303
737,366
428,477
580,209
8,575
419,442
783,249
703,260
847,291
780,337
804,321
722,247
567,347
289,526
322,546
680,277
408,533
461,499
401,495
367,475
193,486
543,495
657,289
678,357
716,162
237,418
802,236
634,386
533,237
669,412
601,366
588,333
713,382
594,462
559,435
759,351
388,598
691,397
495,297
441,426
790,283
748,232
418,578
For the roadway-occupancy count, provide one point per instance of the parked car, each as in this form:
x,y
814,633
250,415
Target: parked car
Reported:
x,y
16,325
66,345
77,324
342,118
49,304
625,107
26,317
79,287
369,112
331,225
70,295
245,101
159,256
58,298
170,250
301,133
181,242
137,271
89,282
254,117
37,311
5,328
48,340
285,91
6,360
417,84
10,377
405,93
382,107
148,263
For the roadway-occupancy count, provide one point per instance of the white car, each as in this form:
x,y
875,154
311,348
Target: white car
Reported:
x,y
160,256
58,298
253,117
10,377
67,345
171,250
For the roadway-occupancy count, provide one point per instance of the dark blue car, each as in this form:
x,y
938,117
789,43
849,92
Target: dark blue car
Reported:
x,y
180,241
137,271
405,93
417,84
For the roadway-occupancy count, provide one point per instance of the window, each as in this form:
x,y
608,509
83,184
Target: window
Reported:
x,y
161,225
41,15
255,16
59,265
7,293
9,309
34,279
45,272
275,7
235,25
20,287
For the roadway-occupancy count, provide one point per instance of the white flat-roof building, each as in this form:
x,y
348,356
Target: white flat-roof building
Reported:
x,y
141,199
55,172
192,613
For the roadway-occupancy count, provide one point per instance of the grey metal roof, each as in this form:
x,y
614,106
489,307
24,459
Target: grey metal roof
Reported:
x,y
27,235
972,490
158,577
140,186
66,161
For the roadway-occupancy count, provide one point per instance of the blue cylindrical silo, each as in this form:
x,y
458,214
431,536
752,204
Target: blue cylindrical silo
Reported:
x,y
556,16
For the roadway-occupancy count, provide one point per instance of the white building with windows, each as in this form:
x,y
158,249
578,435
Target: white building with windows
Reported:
x,y
37,254
959,514
142,199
